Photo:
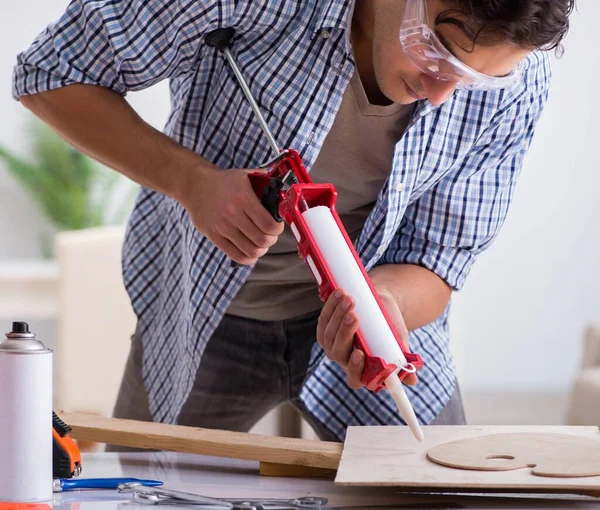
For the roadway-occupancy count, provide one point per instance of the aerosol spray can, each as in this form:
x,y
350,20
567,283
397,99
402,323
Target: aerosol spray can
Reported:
x,y
25,417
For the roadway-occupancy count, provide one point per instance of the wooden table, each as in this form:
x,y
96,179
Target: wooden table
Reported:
x,y
220,477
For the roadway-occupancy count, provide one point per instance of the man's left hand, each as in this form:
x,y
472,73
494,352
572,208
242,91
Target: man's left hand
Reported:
x,y
336,328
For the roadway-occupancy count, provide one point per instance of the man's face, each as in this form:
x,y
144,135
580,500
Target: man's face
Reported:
x,y
402,82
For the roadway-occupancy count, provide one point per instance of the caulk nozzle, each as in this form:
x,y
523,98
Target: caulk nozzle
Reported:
x,y
418,433
407,412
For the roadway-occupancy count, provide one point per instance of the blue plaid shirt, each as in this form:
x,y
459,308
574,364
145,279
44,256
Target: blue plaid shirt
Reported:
x,y
447,195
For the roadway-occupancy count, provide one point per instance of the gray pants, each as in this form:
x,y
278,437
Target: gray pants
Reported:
x,y
248,368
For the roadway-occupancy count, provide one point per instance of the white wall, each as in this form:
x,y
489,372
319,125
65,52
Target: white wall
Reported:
x,y
518,322
21,224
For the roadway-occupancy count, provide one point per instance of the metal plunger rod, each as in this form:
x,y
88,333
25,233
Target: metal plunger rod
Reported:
x,y
222,39
253,105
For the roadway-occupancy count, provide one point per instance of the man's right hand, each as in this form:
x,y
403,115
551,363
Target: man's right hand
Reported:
x,y
221,203
224,207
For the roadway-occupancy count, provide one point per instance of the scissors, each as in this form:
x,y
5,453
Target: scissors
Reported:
x,y
161,496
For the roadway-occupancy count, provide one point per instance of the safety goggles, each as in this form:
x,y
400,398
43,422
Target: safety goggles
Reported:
x,y
431,57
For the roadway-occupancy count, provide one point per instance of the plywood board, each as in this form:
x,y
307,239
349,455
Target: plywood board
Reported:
x,y
390,456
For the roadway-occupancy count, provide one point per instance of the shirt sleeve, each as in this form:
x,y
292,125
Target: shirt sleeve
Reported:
x,y
122,45
458,218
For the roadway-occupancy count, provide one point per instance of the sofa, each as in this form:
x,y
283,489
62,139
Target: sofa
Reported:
x,y
584,401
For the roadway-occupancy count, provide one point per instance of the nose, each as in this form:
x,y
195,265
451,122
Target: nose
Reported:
x,y
437,91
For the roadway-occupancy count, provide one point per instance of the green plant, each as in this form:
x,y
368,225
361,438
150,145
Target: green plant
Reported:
x,y
71,189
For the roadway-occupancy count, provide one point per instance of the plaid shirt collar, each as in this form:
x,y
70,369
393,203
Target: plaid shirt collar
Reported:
x,y
335,14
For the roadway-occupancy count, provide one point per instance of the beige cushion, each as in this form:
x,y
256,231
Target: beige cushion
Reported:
x,y
584,404
591,349
95,320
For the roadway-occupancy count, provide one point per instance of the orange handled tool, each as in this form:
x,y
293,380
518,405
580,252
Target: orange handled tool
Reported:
x,y
66,457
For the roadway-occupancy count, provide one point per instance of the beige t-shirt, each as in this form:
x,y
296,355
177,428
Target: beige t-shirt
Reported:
x,y
356,158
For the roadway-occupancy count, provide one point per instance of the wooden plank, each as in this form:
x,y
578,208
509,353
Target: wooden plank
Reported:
x,y
218,443
389,456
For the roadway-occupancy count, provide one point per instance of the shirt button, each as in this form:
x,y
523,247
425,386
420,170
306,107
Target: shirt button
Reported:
x,y
380,251
325,34
400,186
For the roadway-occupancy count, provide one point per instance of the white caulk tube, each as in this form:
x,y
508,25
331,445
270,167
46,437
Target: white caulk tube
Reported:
x,y
372,323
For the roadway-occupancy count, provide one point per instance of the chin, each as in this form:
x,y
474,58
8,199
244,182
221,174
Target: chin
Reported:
x,y
398,95
406,100
397,90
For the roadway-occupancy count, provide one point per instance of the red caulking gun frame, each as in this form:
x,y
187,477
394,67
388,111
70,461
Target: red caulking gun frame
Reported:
x,y
289,194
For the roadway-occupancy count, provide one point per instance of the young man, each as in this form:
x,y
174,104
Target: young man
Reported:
x,y
419,112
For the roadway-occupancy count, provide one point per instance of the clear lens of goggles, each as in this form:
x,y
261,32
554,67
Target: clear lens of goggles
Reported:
x,y
431,57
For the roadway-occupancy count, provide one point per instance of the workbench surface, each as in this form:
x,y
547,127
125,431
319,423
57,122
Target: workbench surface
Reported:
x,y
239,479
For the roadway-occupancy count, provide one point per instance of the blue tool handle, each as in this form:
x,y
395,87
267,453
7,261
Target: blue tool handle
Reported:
x,y
103,483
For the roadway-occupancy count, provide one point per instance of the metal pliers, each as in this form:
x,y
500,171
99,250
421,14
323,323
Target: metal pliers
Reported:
x,y
161,496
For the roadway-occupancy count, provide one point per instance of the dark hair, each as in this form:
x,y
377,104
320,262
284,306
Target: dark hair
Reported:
x,y
534,24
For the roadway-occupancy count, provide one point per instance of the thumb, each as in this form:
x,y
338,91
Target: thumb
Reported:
x,y
395,315
397,319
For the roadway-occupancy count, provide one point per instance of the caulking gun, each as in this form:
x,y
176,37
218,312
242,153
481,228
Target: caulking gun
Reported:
x,y
289,195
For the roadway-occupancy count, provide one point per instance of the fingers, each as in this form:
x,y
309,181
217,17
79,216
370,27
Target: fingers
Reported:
x,y
239,247
247,247
356,367
325,316
257,212
262,219
336,328
250,227
227,211
397,319
338,333
230,249
411,379
344,339
255,234
237,228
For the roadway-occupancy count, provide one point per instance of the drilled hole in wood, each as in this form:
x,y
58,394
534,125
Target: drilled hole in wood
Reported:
x,y
500,457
